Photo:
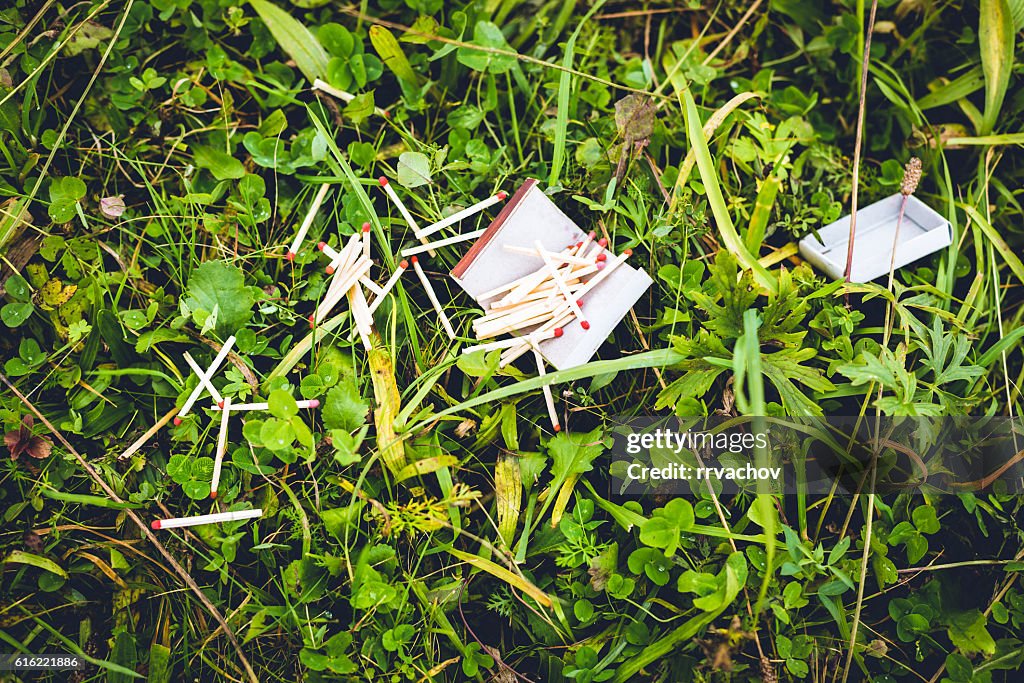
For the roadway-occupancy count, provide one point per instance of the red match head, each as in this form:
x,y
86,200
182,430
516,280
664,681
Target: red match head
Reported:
x,y
220,404
155,524
177,421
386,114
600,265
558,332
404,263
602,257
558,428
502,194
290,256
579,302
383,181
213,494
602,242
315,403
414,259
628,252
329,270
591,234
585,325
366,227
321,245
579,244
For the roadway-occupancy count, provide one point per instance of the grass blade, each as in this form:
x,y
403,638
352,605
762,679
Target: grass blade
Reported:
x,y
709,176
294,38
996,38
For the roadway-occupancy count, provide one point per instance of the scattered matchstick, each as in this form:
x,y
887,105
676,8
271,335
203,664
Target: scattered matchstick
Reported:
x,y
307,221
360,315
340,260
395,276
196,368
569,298
433,297
430,246
548,400
343,281
393,196
222,447
366,240
344,96
236,407
563,257
205,377
371,285
215,518
465,213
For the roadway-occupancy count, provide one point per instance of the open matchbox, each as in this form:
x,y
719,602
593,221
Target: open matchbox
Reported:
x,y
528,217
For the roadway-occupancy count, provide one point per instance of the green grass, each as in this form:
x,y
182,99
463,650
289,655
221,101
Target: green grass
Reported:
x,y
425,524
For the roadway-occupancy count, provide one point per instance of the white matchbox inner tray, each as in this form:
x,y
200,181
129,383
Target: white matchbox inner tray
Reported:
x,y
528,217
923,232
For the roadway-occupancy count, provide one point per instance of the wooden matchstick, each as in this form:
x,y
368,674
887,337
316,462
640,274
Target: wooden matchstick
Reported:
x,y
344,281
465,213
569,297
433,297
393,196
395,276
218,359
555,326
222,447
509,343
215,518
342,95
360,315
371,285
548,399
196,368
411,251
563,257
236,407
366,240
307,221
341,260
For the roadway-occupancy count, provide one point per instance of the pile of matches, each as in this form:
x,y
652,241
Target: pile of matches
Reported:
x,y
540,305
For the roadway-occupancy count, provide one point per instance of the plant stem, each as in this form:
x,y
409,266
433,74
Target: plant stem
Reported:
x,y
859,140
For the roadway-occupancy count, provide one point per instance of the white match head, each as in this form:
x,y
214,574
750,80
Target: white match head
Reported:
x,y
315,403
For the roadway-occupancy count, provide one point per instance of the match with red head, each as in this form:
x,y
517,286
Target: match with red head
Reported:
x,y
502,194
383,181
585,324
603,242
558,332
177,421
366,227
290,256
414,259
404,264
155,525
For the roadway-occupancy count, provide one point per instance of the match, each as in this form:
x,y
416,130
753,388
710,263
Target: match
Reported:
x,y
236,407
465,213
366,240
433,298
204,377
430,246
395,276
222,447
307,221
216,518
548,399
393,196
196,368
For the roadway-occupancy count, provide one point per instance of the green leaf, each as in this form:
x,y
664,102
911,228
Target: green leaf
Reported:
x,y
996,39
487,35
360,108
222,165
38,561
574,453
967,631
294,38
277,435
664,528
925,519
14,315
281,404
391,53
219,286
344,407
413,169
17,287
